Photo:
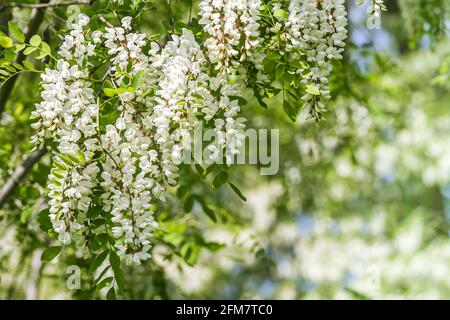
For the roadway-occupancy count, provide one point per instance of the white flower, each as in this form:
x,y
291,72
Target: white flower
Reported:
x,y
83,20
126,23
96,36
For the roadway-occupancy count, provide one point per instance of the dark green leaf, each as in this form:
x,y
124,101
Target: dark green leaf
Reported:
x,y
114,260
50,253
98,261
111,295
237,191
220,179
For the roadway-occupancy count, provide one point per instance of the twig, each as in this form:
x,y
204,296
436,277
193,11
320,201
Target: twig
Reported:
x,y
34,23
44,5
19,174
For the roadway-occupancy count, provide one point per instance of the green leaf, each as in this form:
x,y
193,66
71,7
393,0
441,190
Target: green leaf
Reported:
x,y
210,169
206,209
35,40
19,47
280,71
237,191
50,253
188,204
137,80
220,179
4,62
96,244
6,42
312,90
10,54
44,220
15,31
290,110
189,252
104,283
199,169
281,14
94,212
10,68
114,260
109,92
42,54
18,66
104,271
29,50
111,295
98,261
45,48
214,246
120,90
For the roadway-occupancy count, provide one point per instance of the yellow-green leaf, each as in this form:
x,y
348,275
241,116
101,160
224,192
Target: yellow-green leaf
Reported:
x,y
109,92
6,42
312,90
35,40
15,31
29,50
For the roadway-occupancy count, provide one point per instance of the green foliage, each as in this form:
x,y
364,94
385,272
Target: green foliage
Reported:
x,y
335,171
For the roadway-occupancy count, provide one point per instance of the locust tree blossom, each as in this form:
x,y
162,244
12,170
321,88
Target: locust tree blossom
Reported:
x,y
233,29
119,135
318,30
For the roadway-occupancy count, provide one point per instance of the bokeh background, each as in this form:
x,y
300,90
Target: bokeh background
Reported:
x,y
359,209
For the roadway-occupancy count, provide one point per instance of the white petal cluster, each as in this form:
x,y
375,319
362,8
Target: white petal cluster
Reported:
x,y
68,115
229,128
68,108
70,190
129,178
182,81
131,174
233,29
160,96
125,47
186,94
318,29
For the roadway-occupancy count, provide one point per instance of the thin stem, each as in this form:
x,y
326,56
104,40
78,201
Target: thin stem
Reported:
x,y
44,5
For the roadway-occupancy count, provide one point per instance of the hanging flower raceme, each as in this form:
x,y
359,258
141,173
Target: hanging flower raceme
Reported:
x,y
232,28
318,30
68,114
118,110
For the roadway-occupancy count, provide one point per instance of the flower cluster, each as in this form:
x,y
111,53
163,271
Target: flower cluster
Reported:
x,y
186,95
68,115
137,155
233,29
70,190
317,29
130,170
126,145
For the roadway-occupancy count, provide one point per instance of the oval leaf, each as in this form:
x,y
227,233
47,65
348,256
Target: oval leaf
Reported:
x,y
50,253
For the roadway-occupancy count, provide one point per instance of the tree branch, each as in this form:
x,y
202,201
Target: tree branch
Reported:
x,y
18,175
34,23
44,5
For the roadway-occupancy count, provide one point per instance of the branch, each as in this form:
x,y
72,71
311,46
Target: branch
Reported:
x,y
18,175
44,5
34,23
